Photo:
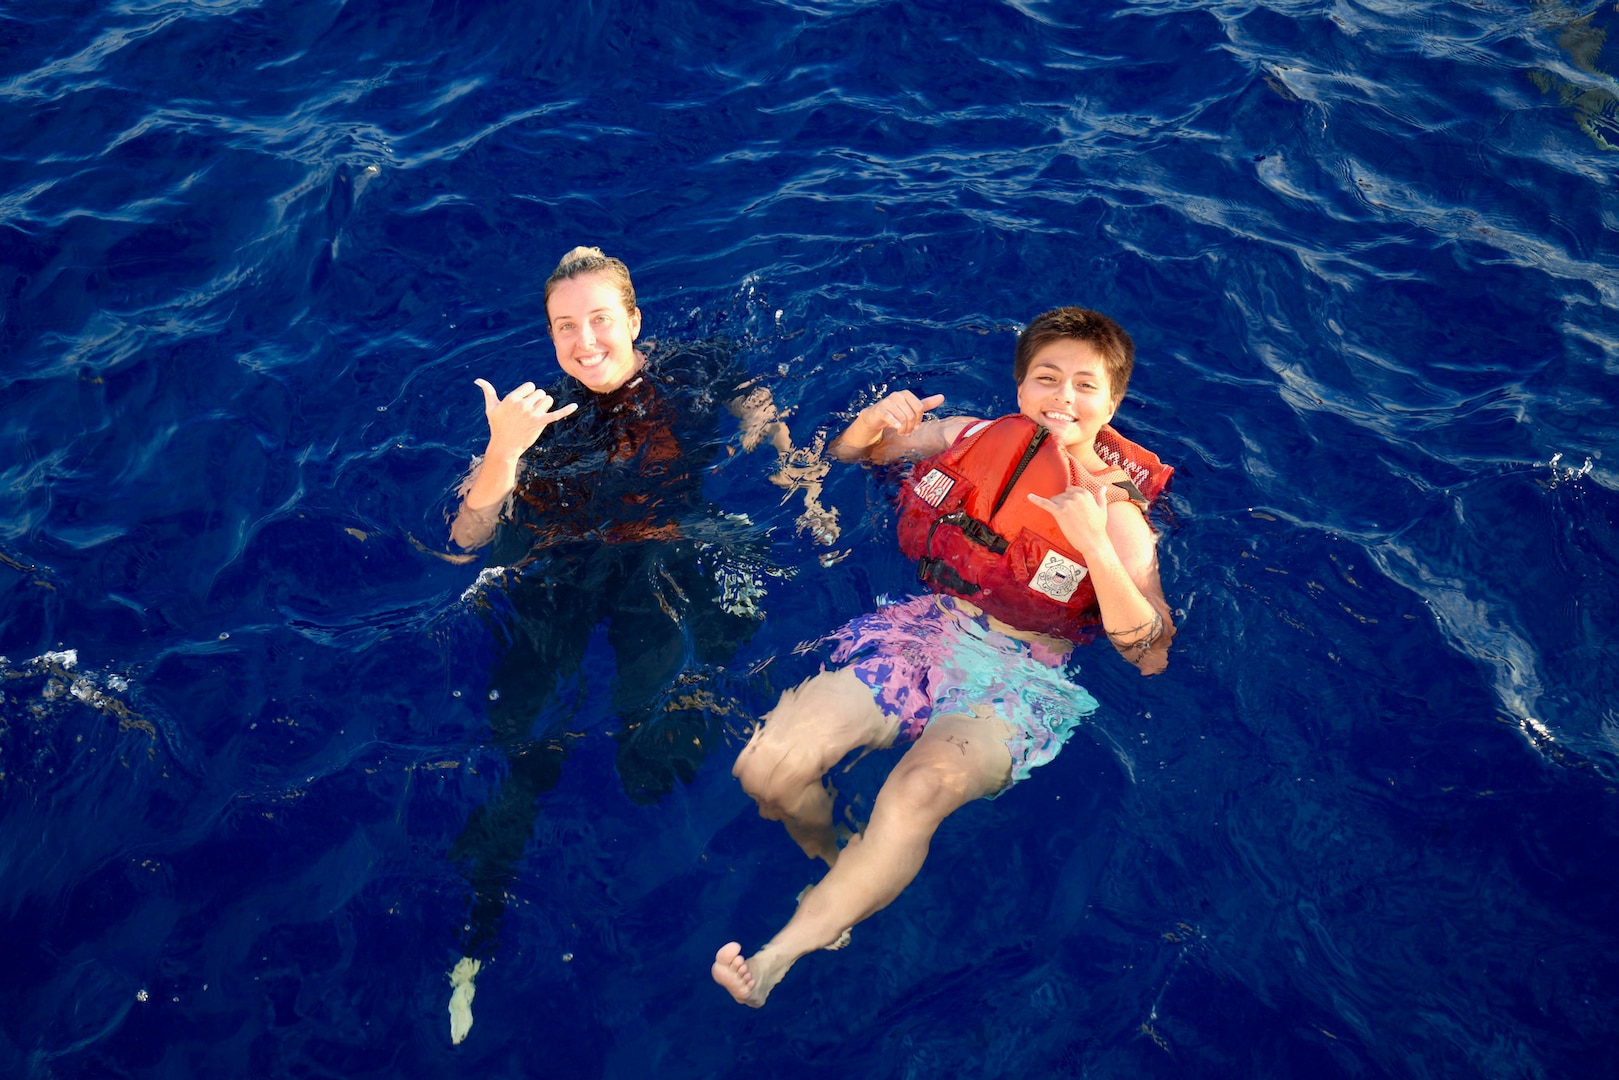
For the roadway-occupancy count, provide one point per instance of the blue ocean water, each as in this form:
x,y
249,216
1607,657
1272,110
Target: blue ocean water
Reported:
x,y
252,256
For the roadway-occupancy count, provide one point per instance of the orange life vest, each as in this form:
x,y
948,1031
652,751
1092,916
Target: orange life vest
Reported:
x,y
966,518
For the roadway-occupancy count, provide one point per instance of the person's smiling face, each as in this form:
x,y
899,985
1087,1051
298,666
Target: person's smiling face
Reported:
x,y
594,334
1067,391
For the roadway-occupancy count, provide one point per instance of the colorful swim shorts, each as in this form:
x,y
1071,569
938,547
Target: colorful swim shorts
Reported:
x,y
934,656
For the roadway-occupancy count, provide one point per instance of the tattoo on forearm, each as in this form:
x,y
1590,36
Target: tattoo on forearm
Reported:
x,y
1135,650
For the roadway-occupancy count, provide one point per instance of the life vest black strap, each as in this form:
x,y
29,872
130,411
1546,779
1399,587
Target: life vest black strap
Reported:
x,y
938,572
976,531
935,570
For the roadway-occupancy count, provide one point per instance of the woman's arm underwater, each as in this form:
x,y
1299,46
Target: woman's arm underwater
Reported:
x,y
797,468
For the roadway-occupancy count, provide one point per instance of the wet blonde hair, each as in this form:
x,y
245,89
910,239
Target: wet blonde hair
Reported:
x,y
592,260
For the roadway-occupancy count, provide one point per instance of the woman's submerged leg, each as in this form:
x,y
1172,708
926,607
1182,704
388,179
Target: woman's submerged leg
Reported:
x,y
957,759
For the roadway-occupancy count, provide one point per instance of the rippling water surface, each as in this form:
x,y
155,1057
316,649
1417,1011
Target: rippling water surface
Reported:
x,y
252,256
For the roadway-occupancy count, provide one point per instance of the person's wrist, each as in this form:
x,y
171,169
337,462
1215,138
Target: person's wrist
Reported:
x,y
503,452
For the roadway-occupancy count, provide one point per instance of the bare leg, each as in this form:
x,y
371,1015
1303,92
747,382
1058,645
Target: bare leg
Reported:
x,y
810,730
958,759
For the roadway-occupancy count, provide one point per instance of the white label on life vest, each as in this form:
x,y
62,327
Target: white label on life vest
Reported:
x,y
933,487
1058,577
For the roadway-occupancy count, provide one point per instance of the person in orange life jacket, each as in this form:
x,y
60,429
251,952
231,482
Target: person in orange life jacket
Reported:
x,y
965,518
589,495
982,701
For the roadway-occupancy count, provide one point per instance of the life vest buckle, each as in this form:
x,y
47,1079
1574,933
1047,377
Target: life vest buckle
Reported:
x,y
976,531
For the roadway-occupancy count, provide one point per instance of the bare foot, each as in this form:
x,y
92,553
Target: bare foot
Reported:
x,y
462,990
749,984
730,970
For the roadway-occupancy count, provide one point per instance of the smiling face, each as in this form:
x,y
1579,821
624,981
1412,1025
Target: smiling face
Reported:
x,y
1067,391
593,332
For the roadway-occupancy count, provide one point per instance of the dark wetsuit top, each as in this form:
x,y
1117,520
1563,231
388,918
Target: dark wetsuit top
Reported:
x,y
627,466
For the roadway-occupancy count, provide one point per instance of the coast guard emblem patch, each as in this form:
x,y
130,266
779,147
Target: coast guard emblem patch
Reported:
x,y
1058,577
933,487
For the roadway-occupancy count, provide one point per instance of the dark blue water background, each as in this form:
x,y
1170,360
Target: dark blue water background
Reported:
x,y
252,256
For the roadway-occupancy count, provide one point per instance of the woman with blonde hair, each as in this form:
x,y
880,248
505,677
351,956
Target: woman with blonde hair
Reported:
x,y
589,493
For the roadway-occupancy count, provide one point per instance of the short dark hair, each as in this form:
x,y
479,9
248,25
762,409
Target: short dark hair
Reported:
x,y
1079,324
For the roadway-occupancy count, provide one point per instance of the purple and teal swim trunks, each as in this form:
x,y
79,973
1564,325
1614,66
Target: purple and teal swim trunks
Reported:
x,y
932,656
